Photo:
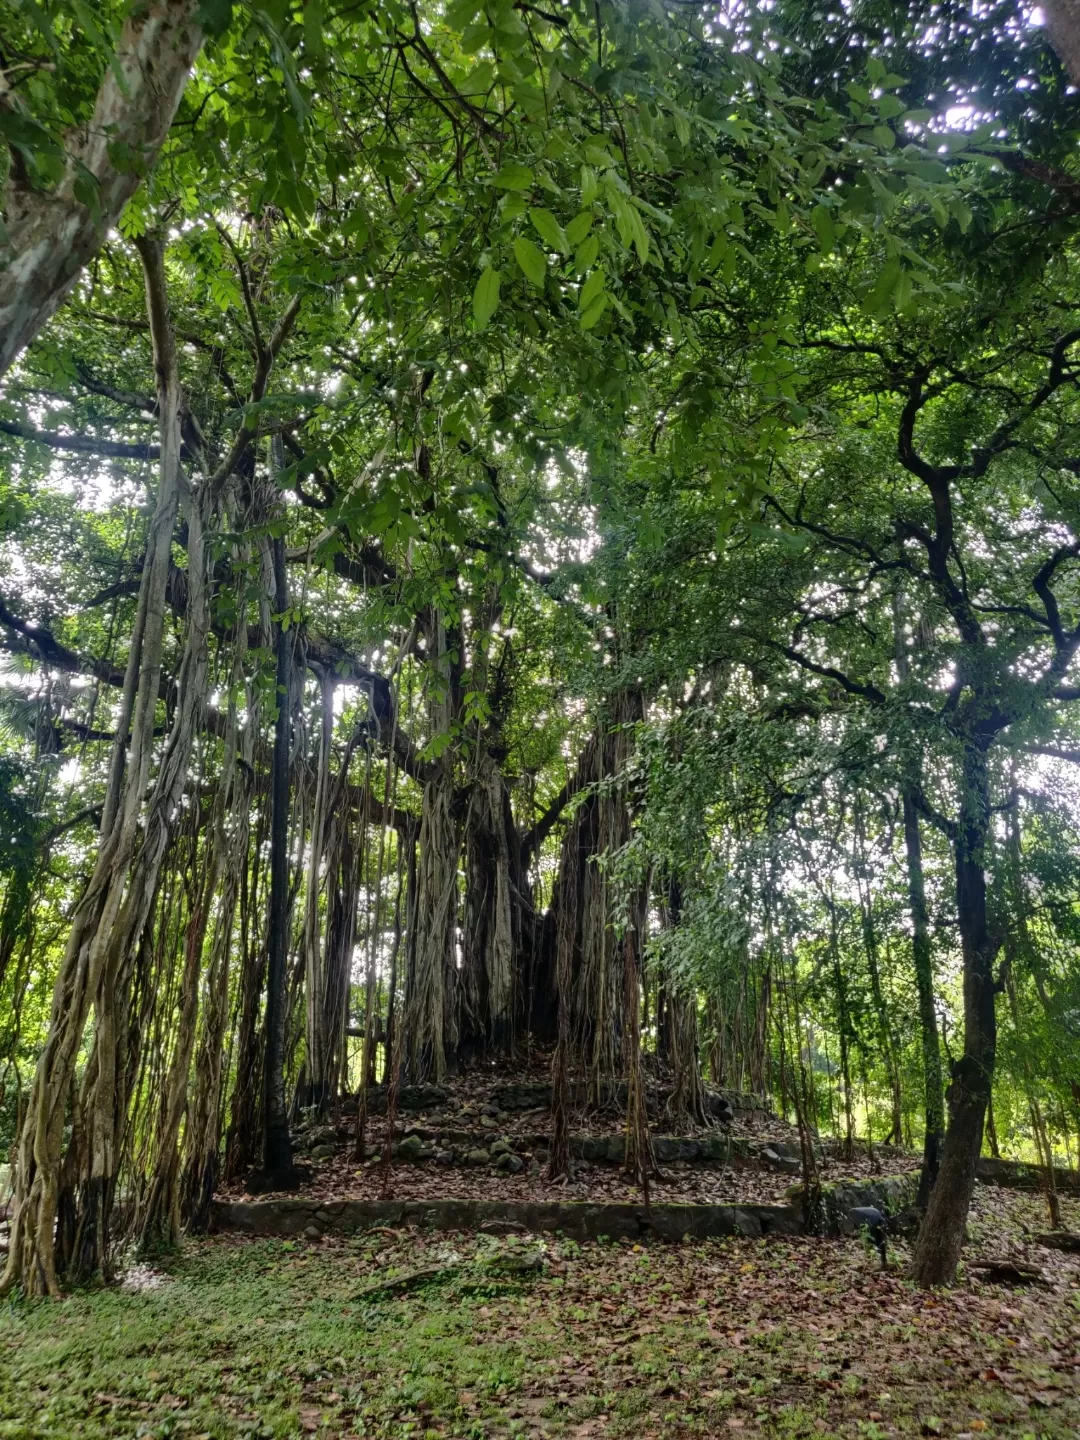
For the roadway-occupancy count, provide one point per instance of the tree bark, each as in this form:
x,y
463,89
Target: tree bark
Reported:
x,y
108,921
319,1047
942,1235
52,235
921,952
1063,27
492,970
933,1079
277,1145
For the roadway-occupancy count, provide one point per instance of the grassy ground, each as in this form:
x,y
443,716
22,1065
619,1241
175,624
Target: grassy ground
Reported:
x,y
733,1339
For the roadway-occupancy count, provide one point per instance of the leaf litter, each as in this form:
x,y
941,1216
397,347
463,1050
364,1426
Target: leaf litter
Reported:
x,y
507,1337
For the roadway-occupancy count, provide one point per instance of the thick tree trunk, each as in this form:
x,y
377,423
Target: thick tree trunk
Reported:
x,y
1063,27
52,235
431,1001
494,930
431,1005
942,1235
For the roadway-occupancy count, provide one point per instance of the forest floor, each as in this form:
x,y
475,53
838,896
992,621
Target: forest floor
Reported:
x,y
465,1121
340,1177
520,1337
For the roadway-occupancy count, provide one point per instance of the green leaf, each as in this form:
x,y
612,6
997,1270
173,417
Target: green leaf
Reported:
x,y
884,137
592,313
313,29
513,177
485,300
590,187
593,286
587,253
639,234
881,293
823,228
931,170
549,230
579,227
532,261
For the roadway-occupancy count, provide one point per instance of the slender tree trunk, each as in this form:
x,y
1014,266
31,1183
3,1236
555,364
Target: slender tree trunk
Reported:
x,y
881,1015
942,1233
922,954
843,1025
566,943
638,1159
108,920
241,1145
277,1145
1046,1155
202,1139
319,1044
687,1102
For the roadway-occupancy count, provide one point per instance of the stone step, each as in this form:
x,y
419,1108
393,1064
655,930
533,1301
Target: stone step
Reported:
x,y
420,1143
724,1106
1016,1175
577,1220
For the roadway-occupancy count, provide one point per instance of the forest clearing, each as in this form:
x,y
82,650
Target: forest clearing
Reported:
x,y
539,727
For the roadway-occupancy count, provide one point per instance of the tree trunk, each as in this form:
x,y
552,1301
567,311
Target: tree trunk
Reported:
x,y
494,926
108,920
942,1233
242,1139
686,1105
319,1047
202,1137
922,955
277,1145
1063,27
881,1015
431,1002
52,234
430,1007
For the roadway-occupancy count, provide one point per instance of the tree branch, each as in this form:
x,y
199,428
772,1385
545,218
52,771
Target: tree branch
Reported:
x,y
80,444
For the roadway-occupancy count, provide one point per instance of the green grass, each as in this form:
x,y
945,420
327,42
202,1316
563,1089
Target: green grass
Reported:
x,y
738,1338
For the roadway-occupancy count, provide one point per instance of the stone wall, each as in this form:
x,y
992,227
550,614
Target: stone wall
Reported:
x,y
577,1220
